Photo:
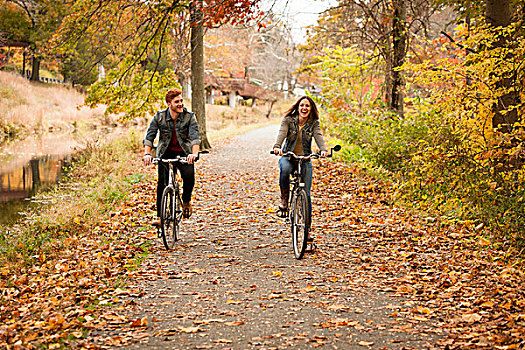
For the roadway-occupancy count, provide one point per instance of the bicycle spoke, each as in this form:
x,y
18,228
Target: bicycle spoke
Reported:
x,y
299,223
168,218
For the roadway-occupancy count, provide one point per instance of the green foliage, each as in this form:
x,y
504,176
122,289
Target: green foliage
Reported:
x,y
469,169
8,129
350,96
75,68
14,24
350,81
131,40
138,95
444,154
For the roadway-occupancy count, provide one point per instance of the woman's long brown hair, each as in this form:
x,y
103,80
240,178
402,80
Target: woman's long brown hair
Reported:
x,y
294,110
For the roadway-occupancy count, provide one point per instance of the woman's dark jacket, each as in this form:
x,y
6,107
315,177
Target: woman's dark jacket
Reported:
x,y
290,128
186,128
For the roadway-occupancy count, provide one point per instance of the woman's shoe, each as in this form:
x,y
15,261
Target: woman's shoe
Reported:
x,y
283,207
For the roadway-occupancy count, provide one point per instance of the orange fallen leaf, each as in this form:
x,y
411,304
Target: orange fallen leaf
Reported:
x,y
190,329
470,318
366,343
140,322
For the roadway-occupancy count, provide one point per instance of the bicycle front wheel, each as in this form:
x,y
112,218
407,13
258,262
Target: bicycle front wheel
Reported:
x,y
178,215
300,218
168,220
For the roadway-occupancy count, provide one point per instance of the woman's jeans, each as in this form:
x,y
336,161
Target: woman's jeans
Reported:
x,y
287,166
187,173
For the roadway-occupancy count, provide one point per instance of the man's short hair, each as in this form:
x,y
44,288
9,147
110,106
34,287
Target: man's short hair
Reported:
x,y
172,93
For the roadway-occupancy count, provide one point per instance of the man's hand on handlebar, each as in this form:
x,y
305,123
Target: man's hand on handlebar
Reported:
x,y
323,154
191,158
147,159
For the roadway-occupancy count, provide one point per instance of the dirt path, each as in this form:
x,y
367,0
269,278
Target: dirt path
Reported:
x,y
232,282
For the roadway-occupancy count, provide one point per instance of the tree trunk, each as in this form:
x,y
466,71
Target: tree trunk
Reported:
x,y
35,70
498,14
24,54
269,111
198,102
399,51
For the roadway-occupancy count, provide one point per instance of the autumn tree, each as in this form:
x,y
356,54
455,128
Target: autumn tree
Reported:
x,y
266,56
34,22
131,33
277,57
230,50
383,28
198,97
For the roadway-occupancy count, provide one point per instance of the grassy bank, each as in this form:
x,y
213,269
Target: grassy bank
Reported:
x,y
28,107
99,178
60,264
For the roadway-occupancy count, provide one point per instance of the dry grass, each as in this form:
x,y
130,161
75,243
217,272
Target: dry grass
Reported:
x,y
41,107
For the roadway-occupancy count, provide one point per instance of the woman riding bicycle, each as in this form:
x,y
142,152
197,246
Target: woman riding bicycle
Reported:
x,y
178,136
299,125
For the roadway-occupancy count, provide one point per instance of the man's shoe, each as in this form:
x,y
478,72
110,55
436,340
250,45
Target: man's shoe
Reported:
x,y
310,239
186,209
156,223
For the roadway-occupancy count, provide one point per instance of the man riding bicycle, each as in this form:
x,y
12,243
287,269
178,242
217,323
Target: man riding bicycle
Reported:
x,y
178,136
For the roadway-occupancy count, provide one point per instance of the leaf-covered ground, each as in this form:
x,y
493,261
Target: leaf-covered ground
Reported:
x,y
380,277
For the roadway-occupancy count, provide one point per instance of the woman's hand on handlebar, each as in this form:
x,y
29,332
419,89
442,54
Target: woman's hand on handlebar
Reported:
x,y
147,159
277,151
323,154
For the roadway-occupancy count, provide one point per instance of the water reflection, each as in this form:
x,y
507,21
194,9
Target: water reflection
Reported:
x,y
17,184
31,165
26,181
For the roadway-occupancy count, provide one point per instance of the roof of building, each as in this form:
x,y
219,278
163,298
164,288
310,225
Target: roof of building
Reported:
x,y
242,87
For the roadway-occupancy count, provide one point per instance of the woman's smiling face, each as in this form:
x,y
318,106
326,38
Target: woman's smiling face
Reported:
x,y
304,108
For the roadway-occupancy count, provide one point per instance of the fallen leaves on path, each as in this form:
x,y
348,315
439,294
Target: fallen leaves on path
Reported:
x,y
449,276
235,266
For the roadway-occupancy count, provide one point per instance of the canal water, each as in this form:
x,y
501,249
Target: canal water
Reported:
x,y
32,165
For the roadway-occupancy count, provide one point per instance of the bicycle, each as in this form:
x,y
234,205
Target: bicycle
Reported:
x,y
171,203
298,215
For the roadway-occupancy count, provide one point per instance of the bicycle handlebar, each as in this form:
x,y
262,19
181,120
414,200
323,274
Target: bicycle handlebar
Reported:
x,y
179,159
336,148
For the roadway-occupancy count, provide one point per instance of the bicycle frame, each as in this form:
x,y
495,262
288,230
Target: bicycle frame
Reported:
x,y
170,223
171,172
296,182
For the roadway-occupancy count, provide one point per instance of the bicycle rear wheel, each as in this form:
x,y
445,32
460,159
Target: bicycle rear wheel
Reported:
x,y
300,218
168,219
